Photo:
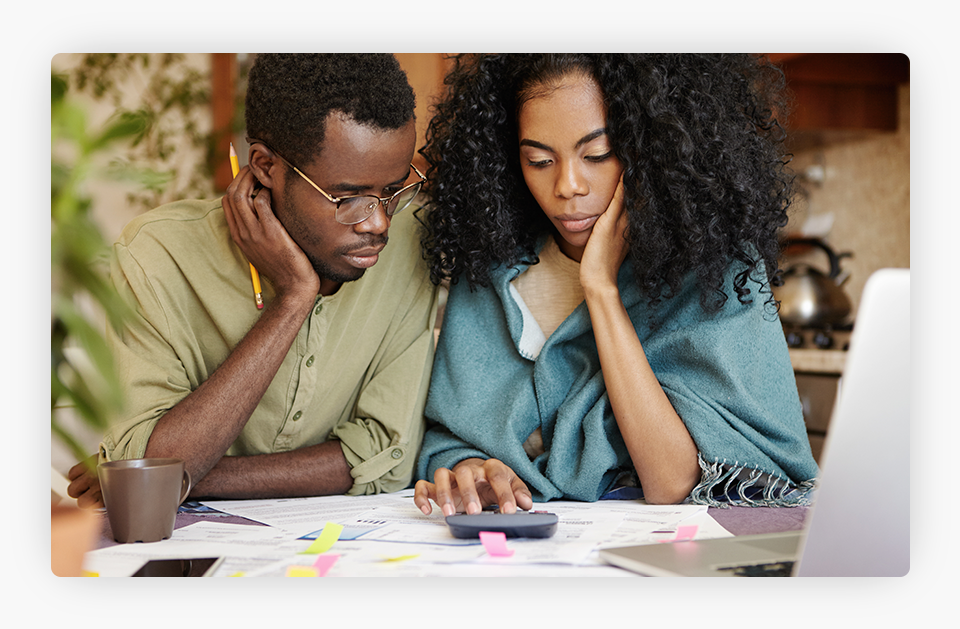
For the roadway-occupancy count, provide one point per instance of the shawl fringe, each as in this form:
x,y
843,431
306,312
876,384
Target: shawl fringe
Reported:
x,y
723,485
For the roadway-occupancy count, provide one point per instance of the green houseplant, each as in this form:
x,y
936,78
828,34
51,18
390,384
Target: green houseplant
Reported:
x,y
82,370
159,101
139,145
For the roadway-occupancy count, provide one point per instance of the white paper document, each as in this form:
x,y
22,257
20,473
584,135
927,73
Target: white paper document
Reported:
x,y
300,516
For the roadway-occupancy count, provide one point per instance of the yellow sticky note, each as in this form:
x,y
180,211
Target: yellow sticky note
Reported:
x,y
301,571
400,558
329,535
237,574
87,573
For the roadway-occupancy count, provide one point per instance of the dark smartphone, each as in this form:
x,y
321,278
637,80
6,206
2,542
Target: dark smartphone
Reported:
x,y
519,524
202,567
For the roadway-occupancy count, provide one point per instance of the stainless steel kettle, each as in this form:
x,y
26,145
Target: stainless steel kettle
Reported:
x,y
809,297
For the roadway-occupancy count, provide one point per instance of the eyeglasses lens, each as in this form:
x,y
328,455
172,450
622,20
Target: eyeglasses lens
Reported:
x,y
358,209
402,200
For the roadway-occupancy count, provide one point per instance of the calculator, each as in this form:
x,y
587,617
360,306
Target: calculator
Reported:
x,y
520,524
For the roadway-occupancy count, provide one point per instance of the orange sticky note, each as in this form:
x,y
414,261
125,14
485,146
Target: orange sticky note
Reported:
x,y
495,543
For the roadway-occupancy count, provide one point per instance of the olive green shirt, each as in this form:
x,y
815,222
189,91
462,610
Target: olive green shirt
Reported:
x,y
357,372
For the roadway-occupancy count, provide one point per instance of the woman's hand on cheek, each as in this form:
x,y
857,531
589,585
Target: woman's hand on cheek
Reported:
x,y
607,247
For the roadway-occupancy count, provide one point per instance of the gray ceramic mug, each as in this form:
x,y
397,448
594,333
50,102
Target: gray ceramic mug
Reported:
x,y
142,497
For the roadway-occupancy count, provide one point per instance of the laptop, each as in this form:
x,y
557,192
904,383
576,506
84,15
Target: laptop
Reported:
x,y
859,523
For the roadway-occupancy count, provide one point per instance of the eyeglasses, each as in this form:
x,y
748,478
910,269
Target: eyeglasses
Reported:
x,y
355,209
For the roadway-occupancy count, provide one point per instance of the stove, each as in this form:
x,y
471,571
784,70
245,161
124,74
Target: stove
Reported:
x,y
823,338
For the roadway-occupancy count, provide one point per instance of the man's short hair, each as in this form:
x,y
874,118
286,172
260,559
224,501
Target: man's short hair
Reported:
x,y
289,97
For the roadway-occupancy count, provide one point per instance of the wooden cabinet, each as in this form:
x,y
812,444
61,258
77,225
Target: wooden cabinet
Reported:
x,y
841,96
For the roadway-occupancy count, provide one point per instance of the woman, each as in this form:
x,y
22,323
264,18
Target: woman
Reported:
x,y
608,224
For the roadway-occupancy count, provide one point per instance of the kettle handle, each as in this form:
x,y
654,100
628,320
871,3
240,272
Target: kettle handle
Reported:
x,y
816,242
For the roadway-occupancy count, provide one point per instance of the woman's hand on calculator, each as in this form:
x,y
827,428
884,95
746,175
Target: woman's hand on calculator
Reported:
x,y
470,486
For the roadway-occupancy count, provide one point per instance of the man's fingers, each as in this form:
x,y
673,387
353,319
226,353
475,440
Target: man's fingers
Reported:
x,y
87,465
92,499
239,205
77,471
78,487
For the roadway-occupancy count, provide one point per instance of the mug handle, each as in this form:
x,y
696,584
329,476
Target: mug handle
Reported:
x,y
185,487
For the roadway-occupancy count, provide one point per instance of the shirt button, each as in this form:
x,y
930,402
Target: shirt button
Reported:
x,y
317,310
397,453
297,415
310,362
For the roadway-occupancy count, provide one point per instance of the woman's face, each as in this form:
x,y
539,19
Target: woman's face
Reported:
x,y
566,159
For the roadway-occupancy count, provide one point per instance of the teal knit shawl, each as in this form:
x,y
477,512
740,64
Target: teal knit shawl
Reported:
x,y
728,376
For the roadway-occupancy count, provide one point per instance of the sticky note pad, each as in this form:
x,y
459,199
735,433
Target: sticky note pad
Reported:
x,y
495,543
324,563
301,571
326,539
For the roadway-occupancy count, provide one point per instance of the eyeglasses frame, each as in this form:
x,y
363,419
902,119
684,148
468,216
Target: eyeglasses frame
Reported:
x,y
338,201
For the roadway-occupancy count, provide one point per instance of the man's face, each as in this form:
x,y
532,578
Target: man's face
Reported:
x,y
355,159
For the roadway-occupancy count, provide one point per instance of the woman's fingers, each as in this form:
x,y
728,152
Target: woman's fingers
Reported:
x,y
466,478
423,493
505,487
472,485
445,484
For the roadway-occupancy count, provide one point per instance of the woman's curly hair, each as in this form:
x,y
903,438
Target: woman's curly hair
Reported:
x,y
705,182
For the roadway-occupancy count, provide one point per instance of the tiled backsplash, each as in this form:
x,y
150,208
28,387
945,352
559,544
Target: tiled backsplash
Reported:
x,y
866,187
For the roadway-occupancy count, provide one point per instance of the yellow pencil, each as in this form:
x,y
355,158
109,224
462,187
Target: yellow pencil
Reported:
x,y
257,293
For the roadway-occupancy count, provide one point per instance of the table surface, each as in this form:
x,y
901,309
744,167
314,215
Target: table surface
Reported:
x,y
736,520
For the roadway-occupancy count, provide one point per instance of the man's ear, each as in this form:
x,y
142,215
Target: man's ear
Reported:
x,y
264,164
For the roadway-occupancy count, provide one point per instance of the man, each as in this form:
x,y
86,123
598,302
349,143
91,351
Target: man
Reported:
x,y
321,391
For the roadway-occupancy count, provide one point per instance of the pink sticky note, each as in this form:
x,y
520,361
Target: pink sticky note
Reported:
x,y
495,543
685,533
324,563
